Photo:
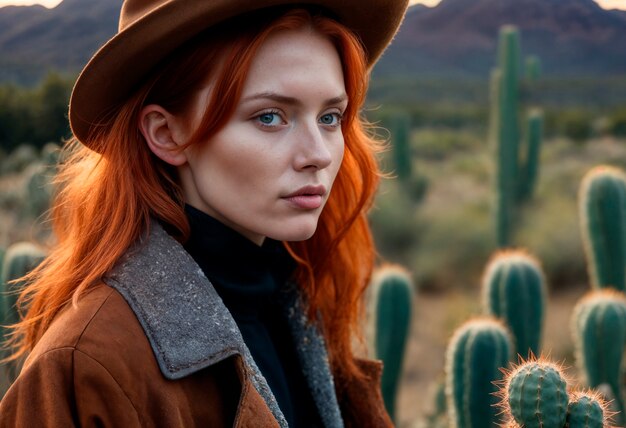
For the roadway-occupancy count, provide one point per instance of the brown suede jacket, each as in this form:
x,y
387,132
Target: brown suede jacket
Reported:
x,y
154,346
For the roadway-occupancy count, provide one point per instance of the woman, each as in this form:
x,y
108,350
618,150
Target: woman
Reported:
x,y
205,274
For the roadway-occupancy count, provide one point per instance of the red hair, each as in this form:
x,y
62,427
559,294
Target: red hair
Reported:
x,y
108,196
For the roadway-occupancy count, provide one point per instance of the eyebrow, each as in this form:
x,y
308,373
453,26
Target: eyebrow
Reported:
x,y
290,100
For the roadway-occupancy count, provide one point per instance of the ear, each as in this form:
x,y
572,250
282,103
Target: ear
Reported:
x,y
163,134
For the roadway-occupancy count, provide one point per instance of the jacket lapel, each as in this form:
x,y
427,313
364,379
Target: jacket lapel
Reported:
x,y
189,327
184,319
311,350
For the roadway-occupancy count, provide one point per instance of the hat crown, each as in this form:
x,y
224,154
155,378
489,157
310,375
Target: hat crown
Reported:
x,y
133,10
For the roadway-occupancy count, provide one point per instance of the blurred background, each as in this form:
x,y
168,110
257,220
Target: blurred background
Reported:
x,y
494,111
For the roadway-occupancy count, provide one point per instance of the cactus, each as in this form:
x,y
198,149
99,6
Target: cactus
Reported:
x,y
401,126
587,410
19,259
475,354
533,68
534,395
390,308
514,290
515,180
530,169
599,329
602,205
39,188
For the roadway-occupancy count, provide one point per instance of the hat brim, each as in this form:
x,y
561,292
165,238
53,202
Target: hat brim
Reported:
x,y
116,68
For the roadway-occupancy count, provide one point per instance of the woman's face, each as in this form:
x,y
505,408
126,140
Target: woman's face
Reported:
x,y
269,171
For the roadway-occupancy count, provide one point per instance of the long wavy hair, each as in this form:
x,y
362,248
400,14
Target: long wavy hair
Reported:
x,y
108,195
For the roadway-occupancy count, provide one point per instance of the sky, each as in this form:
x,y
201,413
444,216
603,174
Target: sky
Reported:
x,y
607,4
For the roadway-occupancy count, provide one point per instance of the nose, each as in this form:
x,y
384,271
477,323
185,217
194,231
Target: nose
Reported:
x,y
312,148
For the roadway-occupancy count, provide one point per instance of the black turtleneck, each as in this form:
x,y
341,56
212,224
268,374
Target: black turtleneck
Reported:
x,y
248,277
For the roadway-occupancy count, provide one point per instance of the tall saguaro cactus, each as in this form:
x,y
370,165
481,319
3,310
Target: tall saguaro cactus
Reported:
x,y
599,329
390,309
401,133
602,205
514,290
475,354
517,164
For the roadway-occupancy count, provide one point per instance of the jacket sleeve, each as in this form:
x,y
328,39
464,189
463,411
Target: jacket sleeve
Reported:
x,y
361,399
66,388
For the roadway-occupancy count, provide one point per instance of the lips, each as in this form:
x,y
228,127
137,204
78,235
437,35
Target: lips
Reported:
x,y
307,197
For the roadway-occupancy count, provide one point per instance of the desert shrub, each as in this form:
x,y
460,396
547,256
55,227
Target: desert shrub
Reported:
x,y
455,243
34,115
394,223
439,144
19,159
617,123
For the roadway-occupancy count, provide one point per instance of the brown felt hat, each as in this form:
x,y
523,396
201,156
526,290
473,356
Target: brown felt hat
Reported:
x,y
149,30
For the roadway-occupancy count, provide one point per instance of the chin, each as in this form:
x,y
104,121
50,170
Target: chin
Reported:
x,y
295,233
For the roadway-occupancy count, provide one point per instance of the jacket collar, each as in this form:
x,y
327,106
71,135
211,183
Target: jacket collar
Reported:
x,y
189,328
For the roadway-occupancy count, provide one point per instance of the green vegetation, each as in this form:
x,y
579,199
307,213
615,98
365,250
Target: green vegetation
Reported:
x,y
474,356
599,330
514,290
34,116
517,154
536,394
390,317
585,411
603,225
19,259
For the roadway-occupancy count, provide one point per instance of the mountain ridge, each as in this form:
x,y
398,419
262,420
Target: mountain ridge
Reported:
x,y
456,38
459,37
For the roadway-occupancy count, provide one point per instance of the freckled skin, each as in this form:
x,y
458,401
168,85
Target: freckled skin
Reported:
x,y
270,148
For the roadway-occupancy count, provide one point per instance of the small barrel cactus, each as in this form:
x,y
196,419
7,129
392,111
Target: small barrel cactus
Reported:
x,y
599,329
390,310
476,353
514,290
534,395
602,205
586,409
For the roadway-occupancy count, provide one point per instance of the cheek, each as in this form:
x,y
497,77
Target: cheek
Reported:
x,y
338,156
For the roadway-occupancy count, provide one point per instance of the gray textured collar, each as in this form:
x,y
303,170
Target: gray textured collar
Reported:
x,y
189,328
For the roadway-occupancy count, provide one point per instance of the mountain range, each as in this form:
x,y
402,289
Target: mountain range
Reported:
x,y
456,38
459,37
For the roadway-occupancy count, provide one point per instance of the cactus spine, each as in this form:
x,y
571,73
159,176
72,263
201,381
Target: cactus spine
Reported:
x,y
587,410
535,395
476,352
514,290
602,205
515,179
390,307
599,328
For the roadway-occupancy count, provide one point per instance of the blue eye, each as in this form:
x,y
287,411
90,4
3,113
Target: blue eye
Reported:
x,y
269,119
331,119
